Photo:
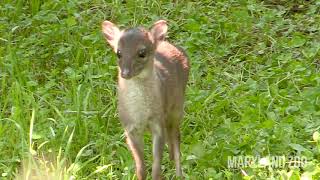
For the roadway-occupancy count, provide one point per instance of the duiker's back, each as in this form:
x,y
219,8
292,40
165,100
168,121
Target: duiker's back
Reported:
x,y
172,67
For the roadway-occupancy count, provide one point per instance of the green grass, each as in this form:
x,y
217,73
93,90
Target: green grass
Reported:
x,y
254,87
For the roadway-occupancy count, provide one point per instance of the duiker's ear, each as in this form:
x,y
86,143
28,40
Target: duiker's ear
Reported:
x,y
159,30
111,33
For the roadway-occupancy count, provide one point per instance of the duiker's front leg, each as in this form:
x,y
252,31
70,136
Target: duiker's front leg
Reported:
x,y
135,142
158,141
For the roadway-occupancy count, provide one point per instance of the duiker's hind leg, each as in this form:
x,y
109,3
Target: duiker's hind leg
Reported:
x,y
135,142
174,141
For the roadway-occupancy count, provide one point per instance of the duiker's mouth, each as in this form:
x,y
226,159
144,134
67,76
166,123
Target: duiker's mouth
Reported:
x,y
126,76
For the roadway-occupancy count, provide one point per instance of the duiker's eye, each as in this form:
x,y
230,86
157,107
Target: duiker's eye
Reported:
x,y
119,53
142,53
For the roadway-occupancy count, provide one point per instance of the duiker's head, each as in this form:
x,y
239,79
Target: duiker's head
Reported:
x,y
135,47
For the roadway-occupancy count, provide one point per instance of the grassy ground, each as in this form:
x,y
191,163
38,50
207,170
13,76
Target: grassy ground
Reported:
x,y
253,90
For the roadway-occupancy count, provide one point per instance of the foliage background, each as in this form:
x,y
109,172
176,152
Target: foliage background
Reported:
x,y
253,89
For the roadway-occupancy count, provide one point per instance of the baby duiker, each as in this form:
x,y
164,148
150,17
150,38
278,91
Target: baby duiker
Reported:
x,y
151,87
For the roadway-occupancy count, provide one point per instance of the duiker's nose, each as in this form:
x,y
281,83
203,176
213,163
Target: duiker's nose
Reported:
x,y
125,73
